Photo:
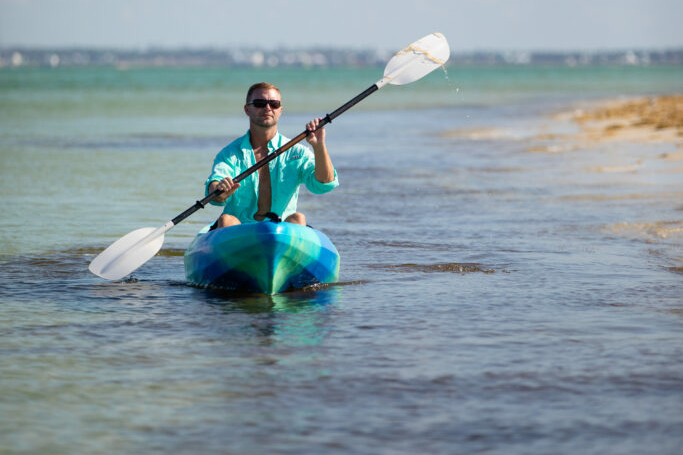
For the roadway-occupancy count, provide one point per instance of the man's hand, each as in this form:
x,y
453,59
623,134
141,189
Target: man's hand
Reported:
x,y
227,186
324,171
315,138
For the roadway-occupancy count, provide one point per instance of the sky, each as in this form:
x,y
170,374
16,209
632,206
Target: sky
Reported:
x,y
469,25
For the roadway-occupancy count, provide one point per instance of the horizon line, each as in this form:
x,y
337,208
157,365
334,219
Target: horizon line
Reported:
x,y
196,48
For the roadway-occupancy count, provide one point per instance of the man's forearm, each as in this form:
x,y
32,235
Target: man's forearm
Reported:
x,y
324,171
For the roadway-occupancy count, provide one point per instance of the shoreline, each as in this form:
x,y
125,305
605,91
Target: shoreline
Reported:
x,y
656,119
584,125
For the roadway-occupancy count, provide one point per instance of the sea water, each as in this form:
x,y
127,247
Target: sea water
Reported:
x,y
492,298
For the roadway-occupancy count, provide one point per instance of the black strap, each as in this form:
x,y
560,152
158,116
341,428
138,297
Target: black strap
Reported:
x,y
273,217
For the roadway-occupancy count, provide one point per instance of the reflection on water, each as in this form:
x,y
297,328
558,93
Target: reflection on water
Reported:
x,y
296,318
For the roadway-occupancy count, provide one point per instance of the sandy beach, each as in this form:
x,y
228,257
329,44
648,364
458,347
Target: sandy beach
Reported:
x,y
653,121
643,120
650,119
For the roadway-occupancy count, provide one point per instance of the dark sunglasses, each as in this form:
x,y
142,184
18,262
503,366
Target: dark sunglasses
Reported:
x,y
261,103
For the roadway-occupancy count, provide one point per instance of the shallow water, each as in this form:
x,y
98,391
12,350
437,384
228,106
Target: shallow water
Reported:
x,y
492,299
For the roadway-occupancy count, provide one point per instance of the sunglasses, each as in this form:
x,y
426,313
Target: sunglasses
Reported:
x,y
261,103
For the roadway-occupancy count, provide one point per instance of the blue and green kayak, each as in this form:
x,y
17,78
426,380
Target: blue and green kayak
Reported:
x,y
267,257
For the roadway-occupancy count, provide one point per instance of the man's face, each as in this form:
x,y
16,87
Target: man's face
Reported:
x,y
263,116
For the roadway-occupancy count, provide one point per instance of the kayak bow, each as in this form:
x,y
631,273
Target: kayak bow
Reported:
x,y
266,257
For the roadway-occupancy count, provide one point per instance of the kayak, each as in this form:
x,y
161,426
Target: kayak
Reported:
x,y
267,257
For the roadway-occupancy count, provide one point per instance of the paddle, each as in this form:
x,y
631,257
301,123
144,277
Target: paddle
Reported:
x,y
135,248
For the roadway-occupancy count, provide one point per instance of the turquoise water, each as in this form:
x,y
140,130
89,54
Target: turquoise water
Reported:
x,y
492,299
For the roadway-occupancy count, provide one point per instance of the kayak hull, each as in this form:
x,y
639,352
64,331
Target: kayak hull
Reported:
x,y
266,257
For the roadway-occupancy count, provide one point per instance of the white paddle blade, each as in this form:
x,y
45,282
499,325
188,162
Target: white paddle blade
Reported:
x,y
417,60
128,253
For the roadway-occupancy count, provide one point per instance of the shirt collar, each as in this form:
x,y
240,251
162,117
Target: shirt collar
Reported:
x,y
273,144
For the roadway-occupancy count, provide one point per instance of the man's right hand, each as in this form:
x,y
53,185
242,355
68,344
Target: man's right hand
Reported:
x,y
226,186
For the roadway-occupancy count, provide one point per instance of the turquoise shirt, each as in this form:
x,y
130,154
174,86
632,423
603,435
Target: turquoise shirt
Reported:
x,y
288,171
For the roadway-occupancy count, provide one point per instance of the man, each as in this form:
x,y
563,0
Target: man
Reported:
x,y
274,188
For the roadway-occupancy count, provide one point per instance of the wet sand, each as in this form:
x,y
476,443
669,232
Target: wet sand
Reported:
x,y
648,120
647,132
641,120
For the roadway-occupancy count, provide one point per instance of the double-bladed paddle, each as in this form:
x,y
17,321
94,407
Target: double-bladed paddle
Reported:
x,y
135,248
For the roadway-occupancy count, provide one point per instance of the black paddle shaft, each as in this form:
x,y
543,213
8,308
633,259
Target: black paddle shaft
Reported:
x,y
327,119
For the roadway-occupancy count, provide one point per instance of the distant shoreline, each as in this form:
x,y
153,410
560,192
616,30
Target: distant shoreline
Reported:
x,y
255,58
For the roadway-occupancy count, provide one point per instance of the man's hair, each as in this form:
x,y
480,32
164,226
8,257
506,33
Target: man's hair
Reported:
x,y
261,85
